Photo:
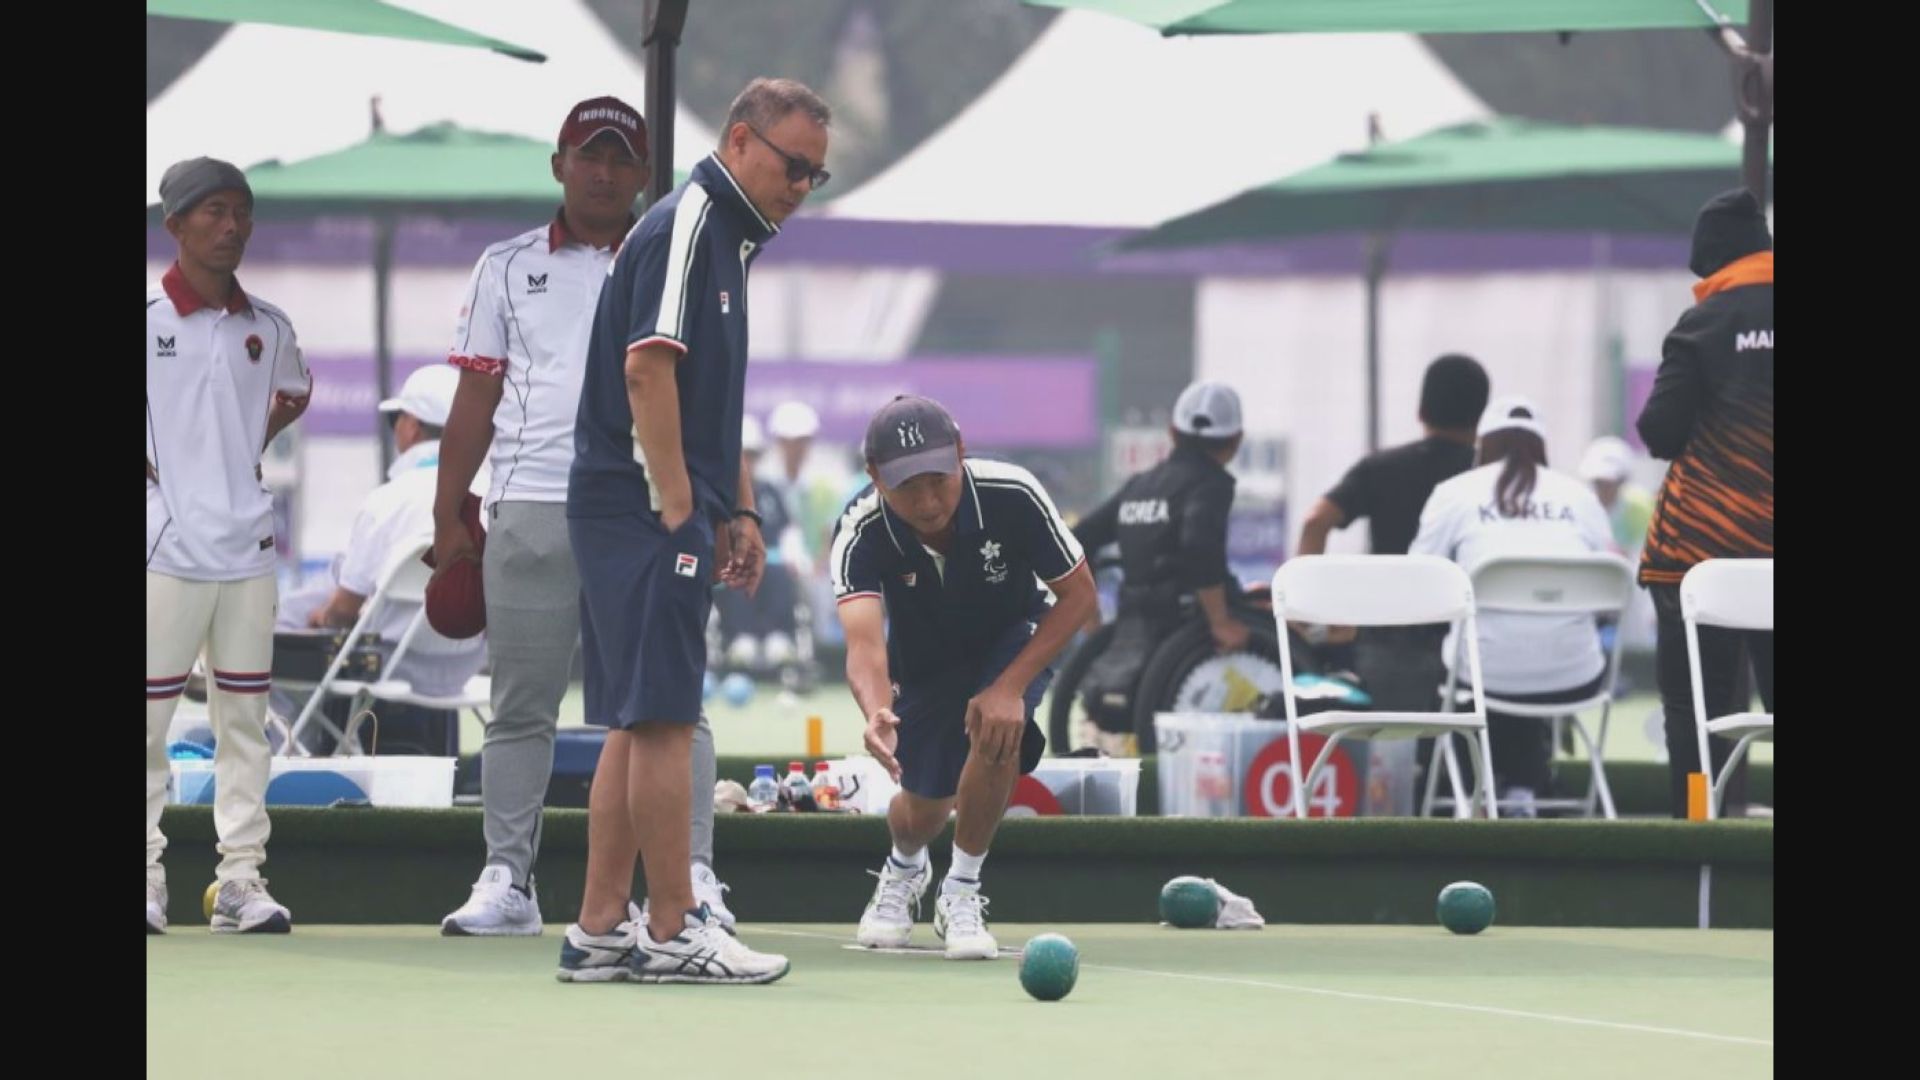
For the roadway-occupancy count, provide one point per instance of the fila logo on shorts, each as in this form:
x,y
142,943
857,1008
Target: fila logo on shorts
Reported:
x,y
686,565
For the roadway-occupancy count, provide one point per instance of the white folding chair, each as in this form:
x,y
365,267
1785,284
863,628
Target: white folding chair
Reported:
x,y
1585,584
1736,594
1379,590
403,582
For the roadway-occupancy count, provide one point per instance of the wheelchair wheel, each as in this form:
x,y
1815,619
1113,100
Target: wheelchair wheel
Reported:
x,y
1186,674
1066,687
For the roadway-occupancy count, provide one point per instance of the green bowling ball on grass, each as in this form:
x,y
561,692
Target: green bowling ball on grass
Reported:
x,y
1465,907
1049,966
1189,903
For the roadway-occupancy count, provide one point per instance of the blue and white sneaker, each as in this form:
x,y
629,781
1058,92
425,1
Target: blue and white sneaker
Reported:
x,y
588,957
702,952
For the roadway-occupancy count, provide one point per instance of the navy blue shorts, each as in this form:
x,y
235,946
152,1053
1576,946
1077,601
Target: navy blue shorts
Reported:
x,y
933,719
645,596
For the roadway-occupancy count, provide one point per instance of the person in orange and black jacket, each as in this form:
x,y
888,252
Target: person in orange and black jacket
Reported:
x,y
1711,414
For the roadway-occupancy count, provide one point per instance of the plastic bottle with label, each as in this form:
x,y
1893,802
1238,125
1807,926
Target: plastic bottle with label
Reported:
x,y
826,792
764,793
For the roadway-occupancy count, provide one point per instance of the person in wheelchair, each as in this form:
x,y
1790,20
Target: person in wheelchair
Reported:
x,y
760,632
1171,526
396,516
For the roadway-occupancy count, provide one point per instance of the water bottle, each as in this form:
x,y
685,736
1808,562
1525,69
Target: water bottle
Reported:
x,y
795,793
764,793
826,793
1212,785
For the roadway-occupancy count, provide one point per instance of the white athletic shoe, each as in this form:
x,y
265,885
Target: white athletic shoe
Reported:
x,y
744,652
960,919
778,649
702,952
588,957
708,889
244,906
888,920
496,909
156,907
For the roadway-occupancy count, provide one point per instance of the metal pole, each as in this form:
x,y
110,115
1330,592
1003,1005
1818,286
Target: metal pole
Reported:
x,y
382,335
1376,269
665,19
1756,98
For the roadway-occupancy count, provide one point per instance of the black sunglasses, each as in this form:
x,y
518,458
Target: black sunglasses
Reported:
x,y
798,168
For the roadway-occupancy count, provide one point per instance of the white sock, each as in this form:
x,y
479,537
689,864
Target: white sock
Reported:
x,y
901,858
965,867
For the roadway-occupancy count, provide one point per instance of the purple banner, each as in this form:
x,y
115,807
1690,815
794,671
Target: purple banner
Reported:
x,y
1023,401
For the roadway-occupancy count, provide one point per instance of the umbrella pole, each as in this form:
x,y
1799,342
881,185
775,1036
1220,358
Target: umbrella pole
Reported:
x,y
382,339
1756,95
664,21
1376,269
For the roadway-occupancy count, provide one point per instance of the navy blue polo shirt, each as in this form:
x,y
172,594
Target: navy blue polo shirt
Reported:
x,y
680,280
945,614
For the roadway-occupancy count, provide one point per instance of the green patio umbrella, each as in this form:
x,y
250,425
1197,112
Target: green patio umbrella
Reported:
x,y
1752,57
369,17
1503,174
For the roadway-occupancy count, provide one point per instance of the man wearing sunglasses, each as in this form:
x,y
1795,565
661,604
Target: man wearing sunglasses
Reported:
x,y
659,508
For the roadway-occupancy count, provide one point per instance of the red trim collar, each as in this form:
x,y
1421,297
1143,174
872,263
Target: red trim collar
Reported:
x,y
186,301
559,236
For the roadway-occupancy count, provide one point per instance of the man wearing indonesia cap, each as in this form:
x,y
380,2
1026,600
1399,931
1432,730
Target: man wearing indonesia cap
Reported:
x,y
1171,524
224,376
937,570
520,345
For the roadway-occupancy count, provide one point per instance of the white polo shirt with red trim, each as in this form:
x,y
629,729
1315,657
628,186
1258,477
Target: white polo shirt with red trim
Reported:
x,y
211,377
527,317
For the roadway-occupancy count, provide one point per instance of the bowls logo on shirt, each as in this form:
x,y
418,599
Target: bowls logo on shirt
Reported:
x,y
255,347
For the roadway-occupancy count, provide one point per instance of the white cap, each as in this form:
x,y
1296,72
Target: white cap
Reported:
x,y
752,439
1608,458
1208,409
1511,413
427,395
793,420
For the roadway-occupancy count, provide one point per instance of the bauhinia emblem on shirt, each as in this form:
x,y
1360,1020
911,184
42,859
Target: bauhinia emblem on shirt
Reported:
x,y
163,346
726,302
909,432
255,347
686,565
910,577
536,283
996,571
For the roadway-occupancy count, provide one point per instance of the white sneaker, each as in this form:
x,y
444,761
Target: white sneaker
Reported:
x,y
244,907
744,652
1518,802
703,952
708,889
588,957
888,920
960,919
156,907
495,909
778,649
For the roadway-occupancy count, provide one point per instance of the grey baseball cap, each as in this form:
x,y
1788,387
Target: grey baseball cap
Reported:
x,y
1209,409
187,182
911,435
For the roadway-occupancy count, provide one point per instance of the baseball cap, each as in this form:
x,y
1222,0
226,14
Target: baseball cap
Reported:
x,y
596,115
427,395
1511,413
1208,409
911,435
1608,458
752,439
793,420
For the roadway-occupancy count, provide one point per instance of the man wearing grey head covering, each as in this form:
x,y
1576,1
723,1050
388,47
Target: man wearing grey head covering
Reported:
x,y
224,376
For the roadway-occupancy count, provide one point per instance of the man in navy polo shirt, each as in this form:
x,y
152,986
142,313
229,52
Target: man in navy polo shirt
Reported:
x,y
658,508
937,570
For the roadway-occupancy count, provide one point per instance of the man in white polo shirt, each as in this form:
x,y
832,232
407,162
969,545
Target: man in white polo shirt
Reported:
x,y
396,517
521,345
224,376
